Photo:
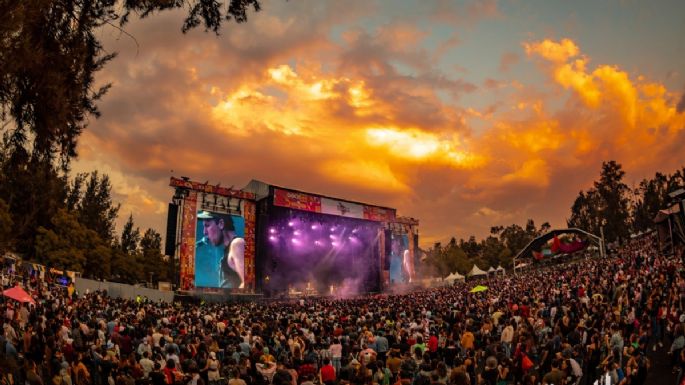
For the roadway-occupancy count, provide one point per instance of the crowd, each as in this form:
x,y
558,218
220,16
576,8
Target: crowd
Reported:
x,y
595,320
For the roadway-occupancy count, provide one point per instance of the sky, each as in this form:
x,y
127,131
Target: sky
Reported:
x,y
463,114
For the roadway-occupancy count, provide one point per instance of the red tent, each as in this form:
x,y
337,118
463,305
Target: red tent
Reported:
x,y
18,294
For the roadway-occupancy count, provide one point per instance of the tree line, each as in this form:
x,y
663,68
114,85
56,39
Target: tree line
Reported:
x,y
70,224
609,206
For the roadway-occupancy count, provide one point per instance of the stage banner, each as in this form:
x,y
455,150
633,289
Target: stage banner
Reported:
x,y
249,210
343,209
297,200
187,255
379,214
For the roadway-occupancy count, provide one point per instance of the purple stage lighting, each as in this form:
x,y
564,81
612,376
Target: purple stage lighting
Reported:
x,y
297,232
272,231
272,238
295,241
291,223
331,236
314,227
334,244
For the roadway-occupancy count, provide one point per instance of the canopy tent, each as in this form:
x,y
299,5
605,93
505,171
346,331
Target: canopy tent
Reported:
x,y
454,277
550,244
478,289
18,294
475,271
491,269
500,268
670,227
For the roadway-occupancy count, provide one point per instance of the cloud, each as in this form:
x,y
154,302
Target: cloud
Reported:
x,y
681,104
323,100
508,60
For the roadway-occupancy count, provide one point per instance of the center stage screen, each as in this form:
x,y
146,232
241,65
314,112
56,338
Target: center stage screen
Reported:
x,y
331,254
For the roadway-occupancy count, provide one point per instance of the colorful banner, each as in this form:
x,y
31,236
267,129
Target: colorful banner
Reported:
x,y
379,214
249,212
187,254
210,189
343,209
316,204
297,200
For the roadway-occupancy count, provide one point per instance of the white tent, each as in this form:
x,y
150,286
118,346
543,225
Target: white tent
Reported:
x,y
500,268
491,270
454,277
475,271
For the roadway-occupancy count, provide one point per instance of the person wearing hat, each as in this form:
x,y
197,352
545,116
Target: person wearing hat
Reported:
x,y
220,254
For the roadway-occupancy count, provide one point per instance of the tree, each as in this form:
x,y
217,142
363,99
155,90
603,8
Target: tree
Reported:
x,y
130,237
153,260
34,192
64,246
492,248
585,212
70,245
49,54
6,227
614,201
96,209
126,267
471,247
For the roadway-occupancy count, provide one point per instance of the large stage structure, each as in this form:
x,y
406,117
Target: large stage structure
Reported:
x,y
276,241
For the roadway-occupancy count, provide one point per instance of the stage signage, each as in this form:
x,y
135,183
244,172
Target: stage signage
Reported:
x,y
297,200
379,214
344,209
210,189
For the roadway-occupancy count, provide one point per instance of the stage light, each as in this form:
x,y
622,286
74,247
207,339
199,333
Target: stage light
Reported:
x,y
297,232
334,244
333,228
272,238
295,241
314,227
331,236
291,223
354,231
272,230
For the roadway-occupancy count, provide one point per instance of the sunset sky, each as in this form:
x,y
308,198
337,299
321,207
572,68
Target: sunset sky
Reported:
x,y
464,115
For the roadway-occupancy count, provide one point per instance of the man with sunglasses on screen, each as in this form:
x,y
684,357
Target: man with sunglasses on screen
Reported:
x,y
221,240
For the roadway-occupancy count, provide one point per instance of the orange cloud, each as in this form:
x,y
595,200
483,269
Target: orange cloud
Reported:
x,y
341,117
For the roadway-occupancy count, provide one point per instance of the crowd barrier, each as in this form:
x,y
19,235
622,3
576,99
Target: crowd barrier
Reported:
x,y
121,290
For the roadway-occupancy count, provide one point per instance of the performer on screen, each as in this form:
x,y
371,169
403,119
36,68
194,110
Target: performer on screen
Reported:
x,y
408,265
221,240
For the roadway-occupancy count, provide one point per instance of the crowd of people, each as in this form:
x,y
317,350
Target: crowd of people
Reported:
x,y
594,321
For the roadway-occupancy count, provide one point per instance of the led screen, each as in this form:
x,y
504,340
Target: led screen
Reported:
x,y
326,253
219,250
400,265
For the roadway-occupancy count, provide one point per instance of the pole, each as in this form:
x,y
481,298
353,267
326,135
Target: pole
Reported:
x,y
670,231
602,251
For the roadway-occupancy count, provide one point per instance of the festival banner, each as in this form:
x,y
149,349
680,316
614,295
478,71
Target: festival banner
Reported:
x,y
187,254
379,214
343,209
297,200
210,189
249,210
